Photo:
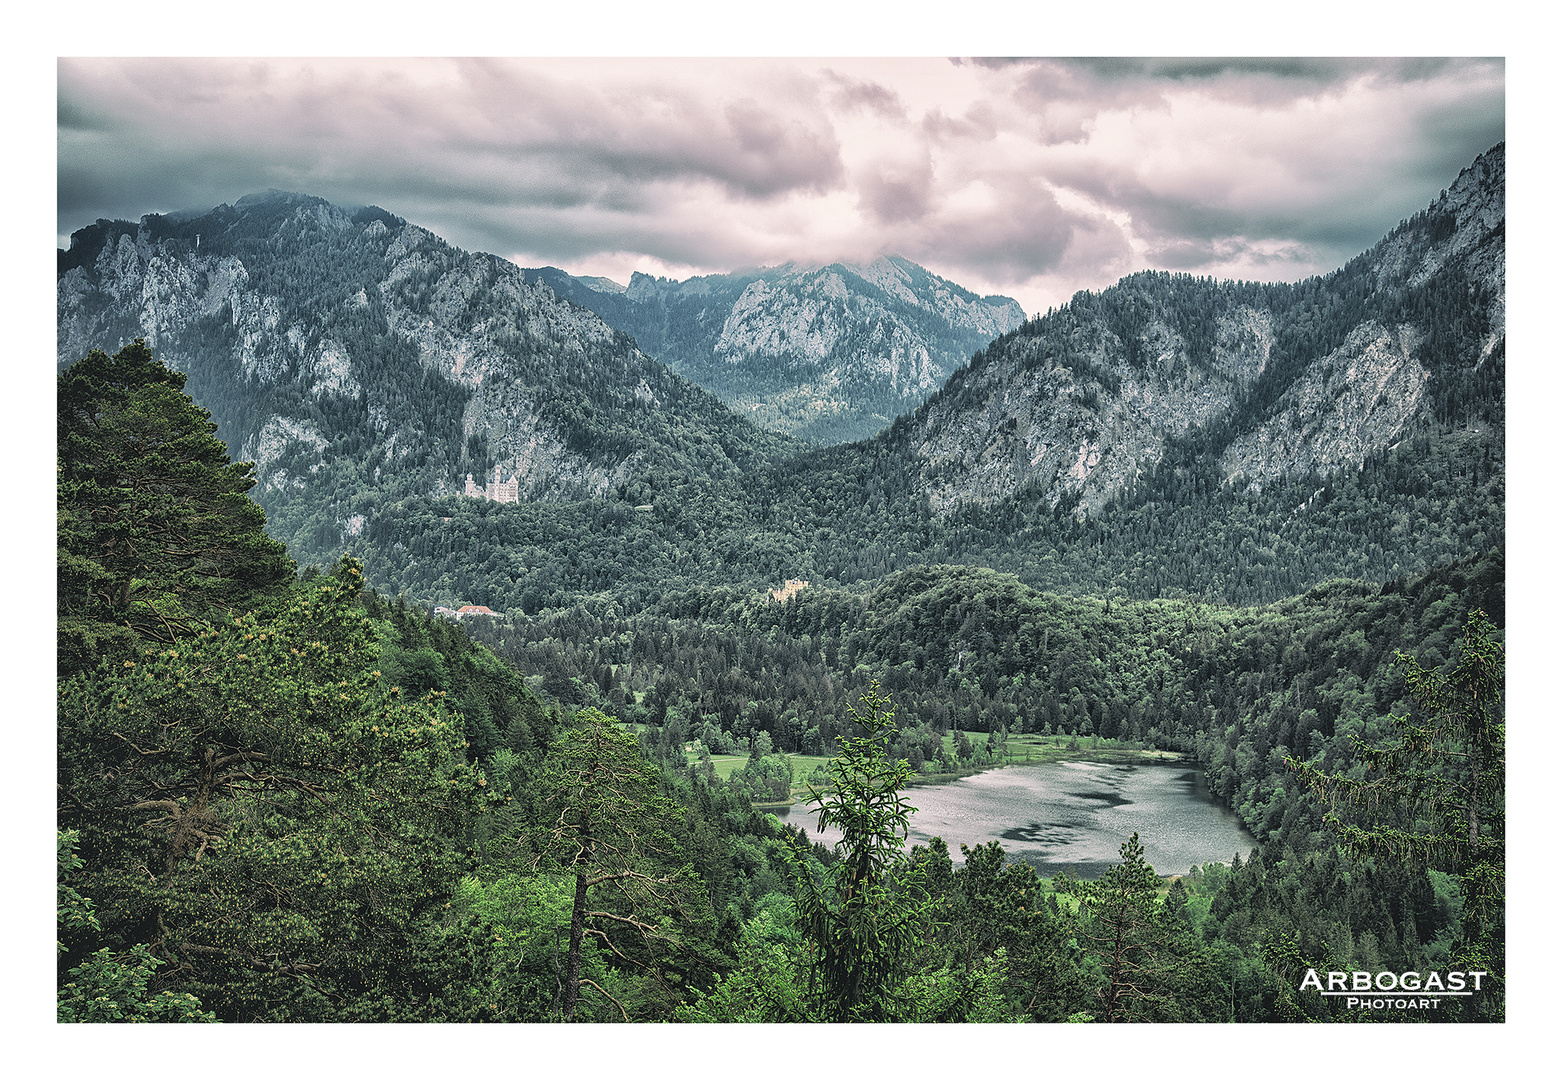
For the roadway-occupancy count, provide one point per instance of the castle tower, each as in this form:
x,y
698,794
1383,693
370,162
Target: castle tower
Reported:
x,y
501,490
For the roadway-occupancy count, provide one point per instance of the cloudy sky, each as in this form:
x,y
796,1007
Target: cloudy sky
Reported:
x,y
1031,178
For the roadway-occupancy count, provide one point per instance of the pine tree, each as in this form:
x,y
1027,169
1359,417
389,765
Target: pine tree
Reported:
x,y
156,533
603,823
1125,927
1433,796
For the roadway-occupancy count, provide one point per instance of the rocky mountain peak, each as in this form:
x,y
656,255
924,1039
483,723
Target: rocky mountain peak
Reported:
x,y
1276,381
831,352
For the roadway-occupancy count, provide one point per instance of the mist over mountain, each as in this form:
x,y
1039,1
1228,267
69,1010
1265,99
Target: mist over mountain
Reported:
x,y
829,353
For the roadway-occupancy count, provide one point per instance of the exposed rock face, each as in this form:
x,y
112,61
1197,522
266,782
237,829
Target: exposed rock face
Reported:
x,y
1029,417
828,352
464,313
507,419
349,350
1356,400
1283,379
1466,228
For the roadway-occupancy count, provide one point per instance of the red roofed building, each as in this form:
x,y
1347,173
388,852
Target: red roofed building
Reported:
x,y
474,609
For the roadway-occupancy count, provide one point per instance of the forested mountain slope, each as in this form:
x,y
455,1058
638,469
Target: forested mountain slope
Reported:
x,y
831,353
358,359
1273,382
1168,437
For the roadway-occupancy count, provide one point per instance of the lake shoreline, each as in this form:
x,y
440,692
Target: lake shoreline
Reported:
x,y
1115,755
1072,813
1105,755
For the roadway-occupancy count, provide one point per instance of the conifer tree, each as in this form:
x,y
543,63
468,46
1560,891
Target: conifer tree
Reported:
x,y
262,811
861,922
156,532
1128,931
1433,796
604,823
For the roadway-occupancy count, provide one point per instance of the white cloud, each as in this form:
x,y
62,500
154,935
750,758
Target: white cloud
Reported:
x,y
1031,178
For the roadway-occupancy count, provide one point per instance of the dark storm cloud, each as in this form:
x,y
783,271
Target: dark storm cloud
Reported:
x,y
511,132
1318,70
645,133
849,95
1323,154
1091,76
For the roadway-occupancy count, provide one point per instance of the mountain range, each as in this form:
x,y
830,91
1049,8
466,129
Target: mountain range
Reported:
x,y
829,353
376,374
357,358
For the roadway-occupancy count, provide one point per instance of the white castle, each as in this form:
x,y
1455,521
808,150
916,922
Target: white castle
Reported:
x,y
498,490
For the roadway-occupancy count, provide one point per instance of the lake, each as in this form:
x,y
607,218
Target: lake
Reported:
x,y
1073,815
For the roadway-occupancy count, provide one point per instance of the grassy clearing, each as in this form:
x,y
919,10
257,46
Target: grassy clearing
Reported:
x,y
1035,749
802,766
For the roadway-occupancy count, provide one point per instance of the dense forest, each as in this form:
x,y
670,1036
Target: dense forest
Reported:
x,y
285,796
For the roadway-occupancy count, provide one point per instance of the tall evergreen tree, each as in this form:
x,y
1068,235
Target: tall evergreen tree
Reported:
x,y
603,823
1124,926
862,922
156,534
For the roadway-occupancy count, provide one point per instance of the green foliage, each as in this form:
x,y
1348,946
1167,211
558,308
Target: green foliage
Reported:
x,y
510,926
1433,796
261,810
156,534
105,988
1126,930
73,911
602,821
1001,945
861,921
769,984
419,653
765,779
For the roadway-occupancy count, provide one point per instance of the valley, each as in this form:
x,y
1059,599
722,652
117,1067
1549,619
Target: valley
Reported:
x,y
848,526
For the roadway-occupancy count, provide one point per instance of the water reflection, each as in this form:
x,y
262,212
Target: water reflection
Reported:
x,y
1074,815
